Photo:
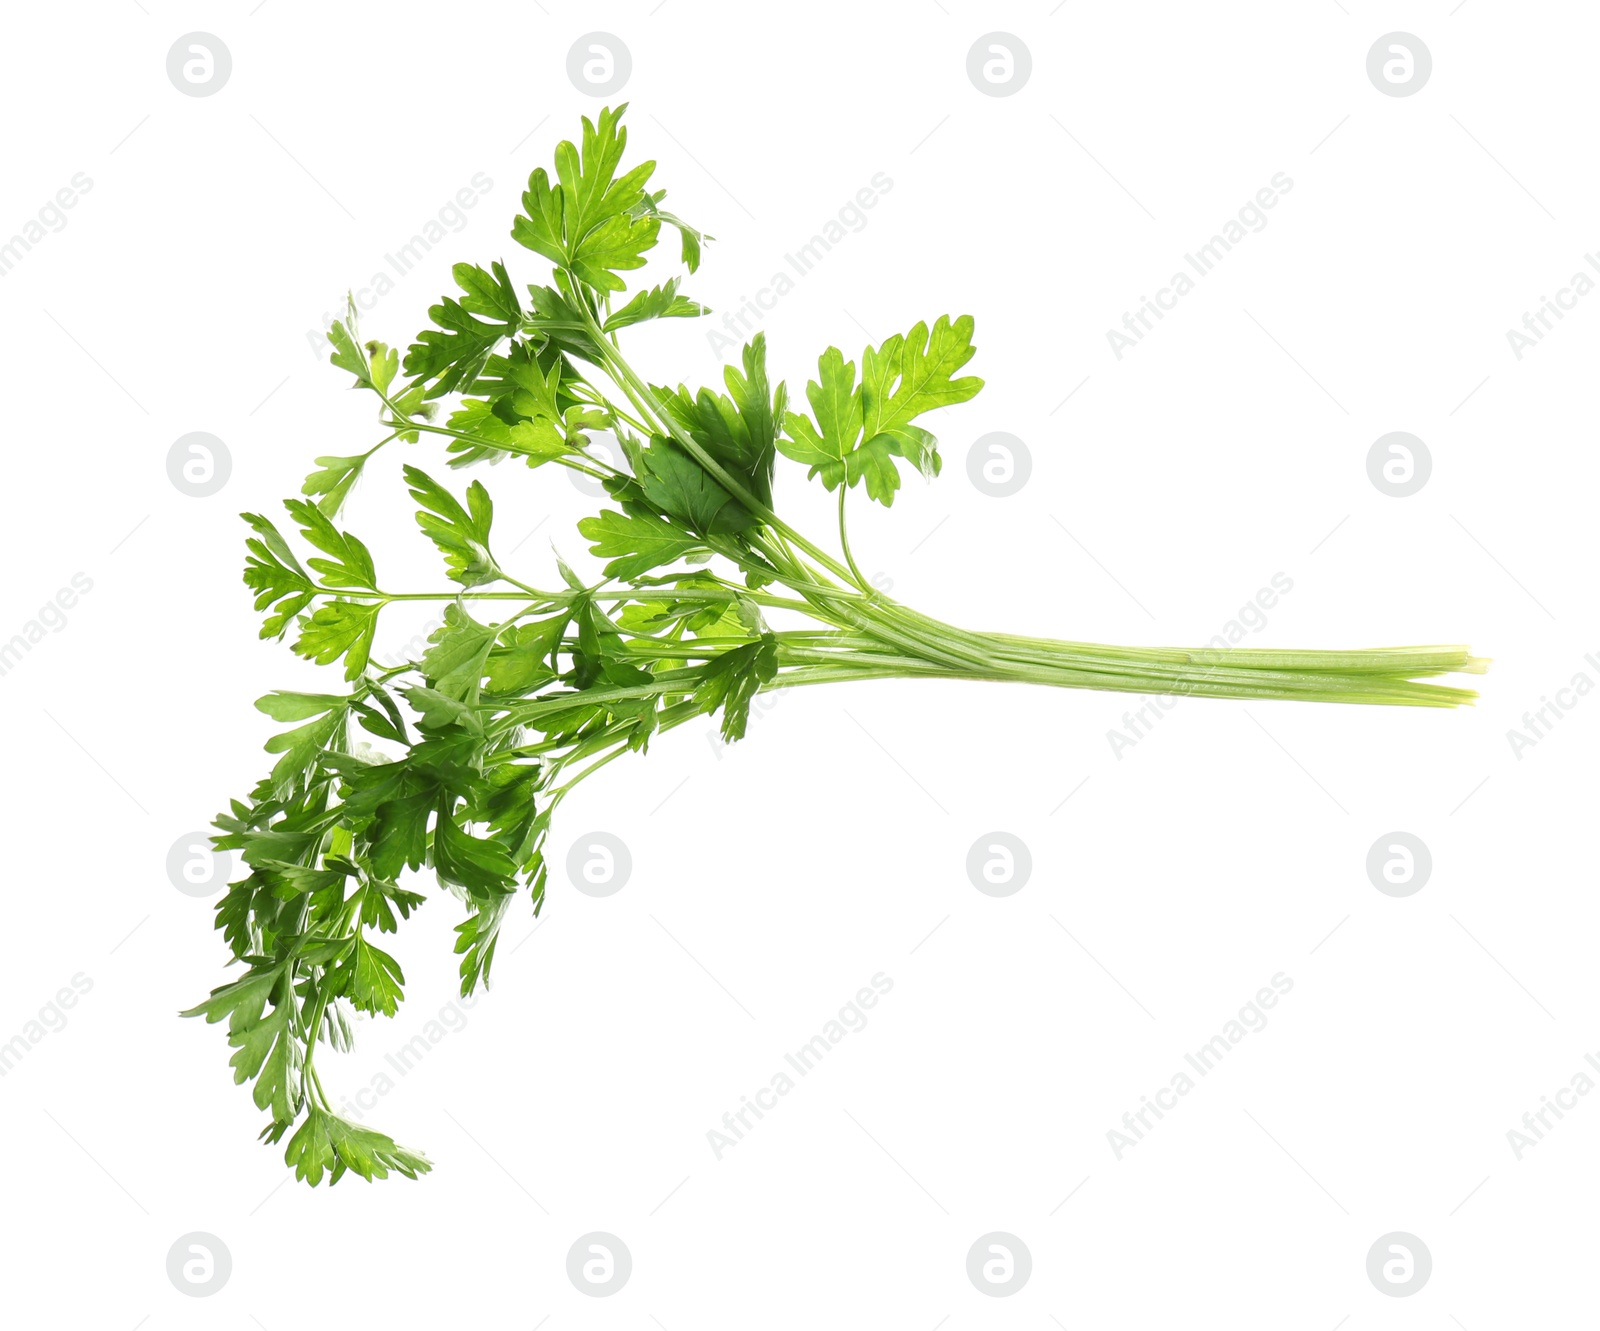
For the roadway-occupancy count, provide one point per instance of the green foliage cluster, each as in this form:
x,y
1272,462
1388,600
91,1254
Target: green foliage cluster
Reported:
x,y
456,762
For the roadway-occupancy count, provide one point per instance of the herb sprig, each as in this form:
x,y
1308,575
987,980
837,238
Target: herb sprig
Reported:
x,y
708,598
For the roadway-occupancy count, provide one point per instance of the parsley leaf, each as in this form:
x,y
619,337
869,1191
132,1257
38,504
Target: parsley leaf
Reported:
x,y
455,663
451,356
662,302
731,681
462,534
351,565
330,485
634,543
860,428
261,1038
371,978
677,486
275,575
328,1144
739,432
592,222
340,629
835,400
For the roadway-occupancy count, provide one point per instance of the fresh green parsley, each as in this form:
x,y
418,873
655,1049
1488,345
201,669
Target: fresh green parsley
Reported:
x,y
708,598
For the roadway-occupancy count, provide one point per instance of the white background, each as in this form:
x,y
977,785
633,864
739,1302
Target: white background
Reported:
x,y
771,882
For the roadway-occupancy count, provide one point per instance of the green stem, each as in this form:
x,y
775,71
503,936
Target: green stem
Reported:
x,y
844,543
308,1074
554,600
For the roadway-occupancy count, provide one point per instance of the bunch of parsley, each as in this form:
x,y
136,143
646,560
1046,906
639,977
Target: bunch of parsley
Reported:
x,y
708,598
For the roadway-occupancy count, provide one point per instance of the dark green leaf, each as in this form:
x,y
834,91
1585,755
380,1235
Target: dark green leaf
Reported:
x,y
732,679
482,867
374,979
